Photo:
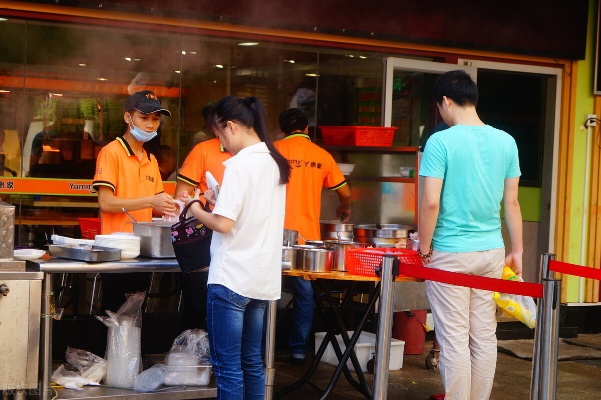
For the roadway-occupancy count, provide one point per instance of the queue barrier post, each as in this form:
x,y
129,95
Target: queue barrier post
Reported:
x,y
270,348
390,264
544,362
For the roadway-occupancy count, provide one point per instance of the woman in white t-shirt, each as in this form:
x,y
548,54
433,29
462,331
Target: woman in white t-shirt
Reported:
x,y
248,223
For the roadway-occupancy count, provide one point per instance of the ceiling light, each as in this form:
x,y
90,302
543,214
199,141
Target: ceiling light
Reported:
x,y
136,59
56,95
184,52
192,52
178,72
363,57
3,19
311,74
289,61
127,58
102,79
4,91
82,65
218,66
248,44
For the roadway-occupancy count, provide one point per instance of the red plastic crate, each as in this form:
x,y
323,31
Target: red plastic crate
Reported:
x,y
358,135
365,261
90,227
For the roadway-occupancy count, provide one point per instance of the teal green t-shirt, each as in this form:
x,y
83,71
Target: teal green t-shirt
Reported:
x,y
473,162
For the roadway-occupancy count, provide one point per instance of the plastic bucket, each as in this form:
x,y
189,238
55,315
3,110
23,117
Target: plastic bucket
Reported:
x,y
409,327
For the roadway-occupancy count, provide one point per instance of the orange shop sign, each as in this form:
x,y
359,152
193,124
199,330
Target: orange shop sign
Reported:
x,y
67,187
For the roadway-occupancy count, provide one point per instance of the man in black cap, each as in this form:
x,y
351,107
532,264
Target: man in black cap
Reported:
x,y
128,179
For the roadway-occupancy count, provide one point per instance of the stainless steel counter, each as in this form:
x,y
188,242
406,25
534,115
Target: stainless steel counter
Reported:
x,y
138,264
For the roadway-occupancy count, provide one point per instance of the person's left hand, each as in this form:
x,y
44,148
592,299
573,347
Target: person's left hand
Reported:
x,y
185,197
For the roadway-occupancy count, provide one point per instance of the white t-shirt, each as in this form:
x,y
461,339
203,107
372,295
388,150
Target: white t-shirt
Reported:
x,y
247,259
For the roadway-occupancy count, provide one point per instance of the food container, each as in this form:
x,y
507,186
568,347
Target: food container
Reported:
x,y
333,229
382,235
155,239
318,260
190,375
290,237
300,255
289,255
340,248
84,252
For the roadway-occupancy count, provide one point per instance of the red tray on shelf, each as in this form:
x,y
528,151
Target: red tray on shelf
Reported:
x,y
357,135
364,261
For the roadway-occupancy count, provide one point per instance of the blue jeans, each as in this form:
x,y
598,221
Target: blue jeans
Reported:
x,y
303,317
235,327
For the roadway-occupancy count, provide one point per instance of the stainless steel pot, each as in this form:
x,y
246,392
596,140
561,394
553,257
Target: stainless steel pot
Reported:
x,y
300,255
289,255
317,243
318,260
340,248
382,235
333,229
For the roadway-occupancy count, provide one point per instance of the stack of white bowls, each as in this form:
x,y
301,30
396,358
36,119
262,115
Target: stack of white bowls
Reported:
x,y
128,243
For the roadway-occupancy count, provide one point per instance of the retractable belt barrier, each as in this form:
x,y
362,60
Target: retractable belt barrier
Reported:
x,y
576,270
473,281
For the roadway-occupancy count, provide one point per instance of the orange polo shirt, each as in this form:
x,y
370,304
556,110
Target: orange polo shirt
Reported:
x,y
205,156
118,168
312,168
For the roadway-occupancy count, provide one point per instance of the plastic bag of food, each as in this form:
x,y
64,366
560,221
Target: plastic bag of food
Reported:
x,y
515,306
70,379
188,360
89,365
123,353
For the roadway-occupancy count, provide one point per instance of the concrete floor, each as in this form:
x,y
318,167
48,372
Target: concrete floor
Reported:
x,y
575,379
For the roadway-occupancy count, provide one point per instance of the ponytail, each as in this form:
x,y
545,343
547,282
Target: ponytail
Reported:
x,y
249,112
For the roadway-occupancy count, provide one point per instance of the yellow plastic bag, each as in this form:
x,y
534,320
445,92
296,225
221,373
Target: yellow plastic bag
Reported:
x,y
515,306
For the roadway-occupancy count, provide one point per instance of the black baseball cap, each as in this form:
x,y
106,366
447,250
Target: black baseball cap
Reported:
x,y
145,102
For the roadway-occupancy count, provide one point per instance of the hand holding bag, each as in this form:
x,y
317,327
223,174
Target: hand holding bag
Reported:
x,y
191,241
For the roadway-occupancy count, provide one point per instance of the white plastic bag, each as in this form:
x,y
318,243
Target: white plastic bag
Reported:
x,y
188,361
123,353
89,365
70,379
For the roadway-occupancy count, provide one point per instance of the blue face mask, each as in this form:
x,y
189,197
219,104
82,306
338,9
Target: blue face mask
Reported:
x,y
139,134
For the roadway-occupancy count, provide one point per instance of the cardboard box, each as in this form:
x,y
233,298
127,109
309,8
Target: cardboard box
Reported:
x,y
365,350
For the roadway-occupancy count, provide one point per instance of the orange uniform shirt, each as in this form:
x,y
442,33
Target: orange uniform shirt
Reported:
x,y
205,156
118,168
312,169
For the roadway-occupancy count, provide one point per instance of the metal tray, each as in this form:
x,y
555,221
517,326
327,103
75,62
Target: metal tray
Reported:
x,y
84,252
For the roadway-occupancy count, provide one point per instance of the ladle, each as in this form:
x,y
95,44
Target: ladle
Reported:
x,y
130,216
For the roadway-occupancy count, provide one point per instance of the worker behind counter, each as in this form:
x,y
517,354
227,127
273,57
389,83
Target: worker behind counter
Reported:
x,y
128,179
312,169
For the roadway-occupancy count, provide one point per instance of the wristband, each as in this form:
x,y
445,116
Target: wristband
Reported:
x,y
425,257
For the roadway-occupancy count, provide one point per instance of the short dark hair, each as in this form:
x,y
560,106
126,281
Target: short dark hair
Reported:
x,y
458,86
292,120
207,109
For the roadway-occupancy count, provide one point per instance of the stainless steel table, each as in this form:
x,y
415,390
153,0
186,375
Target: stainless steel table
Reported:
x,y
63,266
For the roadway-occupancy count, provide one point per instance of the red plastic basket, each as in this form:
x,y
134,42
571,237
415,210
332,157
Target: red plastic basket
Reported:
x,y
90,227
365,261
358,135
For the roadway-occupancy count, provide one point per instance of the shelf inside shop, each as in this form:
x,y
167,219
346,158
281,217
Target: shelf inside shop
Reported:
x,y
381,179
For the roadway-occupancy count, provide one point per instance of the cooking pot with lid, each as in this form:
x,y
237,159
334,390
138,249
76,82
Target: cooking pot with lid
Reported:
x,y
382,235
290,237
289,255
300,255
318,260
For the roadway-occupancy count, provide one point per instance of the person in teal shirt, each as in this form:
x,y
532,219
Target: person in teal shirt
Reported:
x,y
469,170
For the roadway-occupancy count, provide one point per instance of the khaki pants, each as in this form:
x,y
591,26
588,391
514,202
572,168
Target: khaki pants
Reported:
x,y
465,324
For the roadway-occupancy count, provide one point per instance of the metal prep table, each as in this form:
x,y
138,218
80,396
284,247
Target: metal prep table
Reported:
x,y
63,266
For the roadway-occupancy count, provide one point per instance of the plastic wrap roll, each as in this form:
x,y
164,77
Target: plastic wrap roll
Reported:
x,y
123,356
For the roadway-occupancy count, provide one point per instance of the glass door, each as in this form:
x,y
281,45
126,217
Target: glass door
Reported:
x,y
408,103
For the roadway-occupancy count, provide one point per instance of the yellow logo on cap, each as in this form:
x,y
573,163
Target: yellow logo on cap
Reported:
x,y
152,96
